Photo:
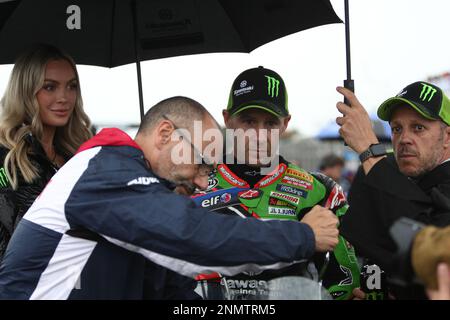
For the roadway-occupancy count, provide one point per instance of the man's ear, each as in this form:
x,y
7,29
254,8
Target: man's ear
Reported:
x,y
163,133
226,117
285,123
447,137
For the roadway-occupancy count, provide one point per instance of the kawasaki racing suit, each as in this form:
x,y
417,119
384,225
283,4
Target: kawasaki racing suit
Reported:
x,y
287,193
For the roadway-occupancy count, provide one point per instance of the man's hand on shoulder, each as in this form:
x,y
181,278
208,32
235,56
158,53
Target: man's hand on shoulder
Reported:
x,y
324,224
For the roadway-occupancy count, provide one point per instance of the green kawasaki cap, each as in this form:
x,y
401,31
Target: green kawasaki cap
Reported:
x,y
426,98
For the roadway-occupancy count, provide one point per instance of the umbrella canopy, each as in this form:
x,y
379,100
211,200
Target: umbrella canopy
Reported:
x,y
101,32
381,128
111,33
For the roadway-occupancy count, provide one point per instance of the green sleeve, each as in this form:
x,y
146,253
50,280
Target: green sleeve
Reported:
x,y
343,272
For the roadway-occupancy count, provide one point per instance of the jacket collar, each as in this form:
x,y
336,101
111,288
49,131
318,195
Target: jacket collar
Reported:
x,y
436,176
117,137
109,137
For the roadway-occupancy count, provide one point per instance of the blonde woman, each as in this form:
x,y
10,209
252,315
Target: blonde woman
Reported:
x,y
42,124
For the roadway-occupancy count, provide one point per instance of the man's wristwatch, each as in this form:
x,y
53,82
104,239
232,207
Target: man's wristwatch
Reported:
x,y
375,150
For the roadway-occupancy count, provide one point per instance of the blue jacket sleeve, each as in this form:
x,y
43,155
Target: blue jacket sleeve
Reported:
x,y
169,230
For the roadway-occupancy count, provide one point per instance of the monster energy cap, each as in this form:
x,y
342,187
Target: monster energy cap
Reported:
x,y
259,88
426,98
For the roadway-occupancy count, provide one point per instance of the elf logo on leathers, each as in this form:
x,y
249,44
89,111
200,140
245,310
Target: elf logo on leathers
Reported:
x,y
223,198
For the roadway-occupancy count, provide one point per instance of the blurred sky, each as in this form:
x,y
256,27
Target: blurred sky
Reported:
x,y
393,43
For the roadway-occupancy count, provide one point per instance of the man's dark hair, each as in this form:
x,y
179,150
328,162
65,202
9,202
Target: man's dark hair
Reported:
x,y
330,161
182,110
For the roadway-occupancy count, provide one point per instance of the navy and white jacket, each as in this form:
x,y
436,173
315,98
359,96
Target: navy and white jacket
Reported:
x,y
108,189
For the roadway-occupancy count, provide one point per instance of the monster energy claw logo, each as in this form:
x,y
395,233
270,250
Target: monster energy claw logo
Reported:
x,y
3,178
427,91
272,86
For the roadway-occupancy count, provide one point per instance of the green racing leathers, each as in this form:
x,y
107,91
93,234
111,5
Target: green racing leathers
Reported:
x,y
286,193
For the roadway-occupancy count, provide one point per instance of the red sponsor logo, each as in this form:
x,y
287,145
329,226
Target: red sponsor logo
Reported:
x,y
249,194
336,198
271,177
286,197
231,177
280,203
297,182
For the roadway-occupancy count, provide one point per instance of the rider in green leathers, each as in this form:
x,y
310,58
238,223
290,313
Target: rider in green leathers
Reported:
x,y
281,190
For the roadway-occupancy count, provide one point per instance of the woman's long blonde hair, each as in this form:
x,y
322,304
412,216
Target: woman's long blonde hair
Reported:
x,y
19,116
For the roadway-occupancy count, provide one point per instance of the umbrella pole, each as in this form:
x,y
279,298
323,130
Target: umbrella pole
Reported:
x,y
348,83
138,58
141,97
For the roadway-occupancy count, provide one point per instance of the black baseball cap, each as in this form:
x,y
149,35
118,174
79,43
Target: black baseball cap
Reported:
x,y
427,99
259,88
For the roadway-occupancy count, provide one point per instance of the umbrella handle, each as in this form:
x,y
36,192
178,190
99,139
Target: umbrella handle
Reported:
x,y
350,85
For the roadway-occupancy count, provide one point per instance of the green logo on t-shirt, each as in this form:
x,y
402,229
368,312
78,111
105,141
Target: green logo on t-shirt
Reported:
x,y
3,178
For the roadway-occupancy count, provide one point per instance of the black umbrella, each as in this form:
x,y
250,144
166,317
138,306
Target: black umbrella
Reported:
x,y
112,33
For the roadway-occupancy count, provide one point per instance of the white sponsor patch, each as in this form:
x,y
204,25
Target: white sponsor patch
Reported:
x,y
143,180
270,179
297,182
230,178
242,91
282,211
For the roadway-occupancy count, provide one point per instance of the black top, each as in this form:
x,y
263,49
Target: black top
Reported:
x,y
383,196
15,203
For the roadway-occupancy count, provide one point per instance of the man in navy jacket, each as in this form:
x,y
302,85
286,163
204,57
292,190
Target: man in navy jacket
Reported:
x,y
109,217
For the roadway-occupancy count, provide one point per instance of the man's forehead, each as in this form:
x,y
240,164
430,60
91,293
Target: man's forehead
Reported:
x,y
406,112
257,113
